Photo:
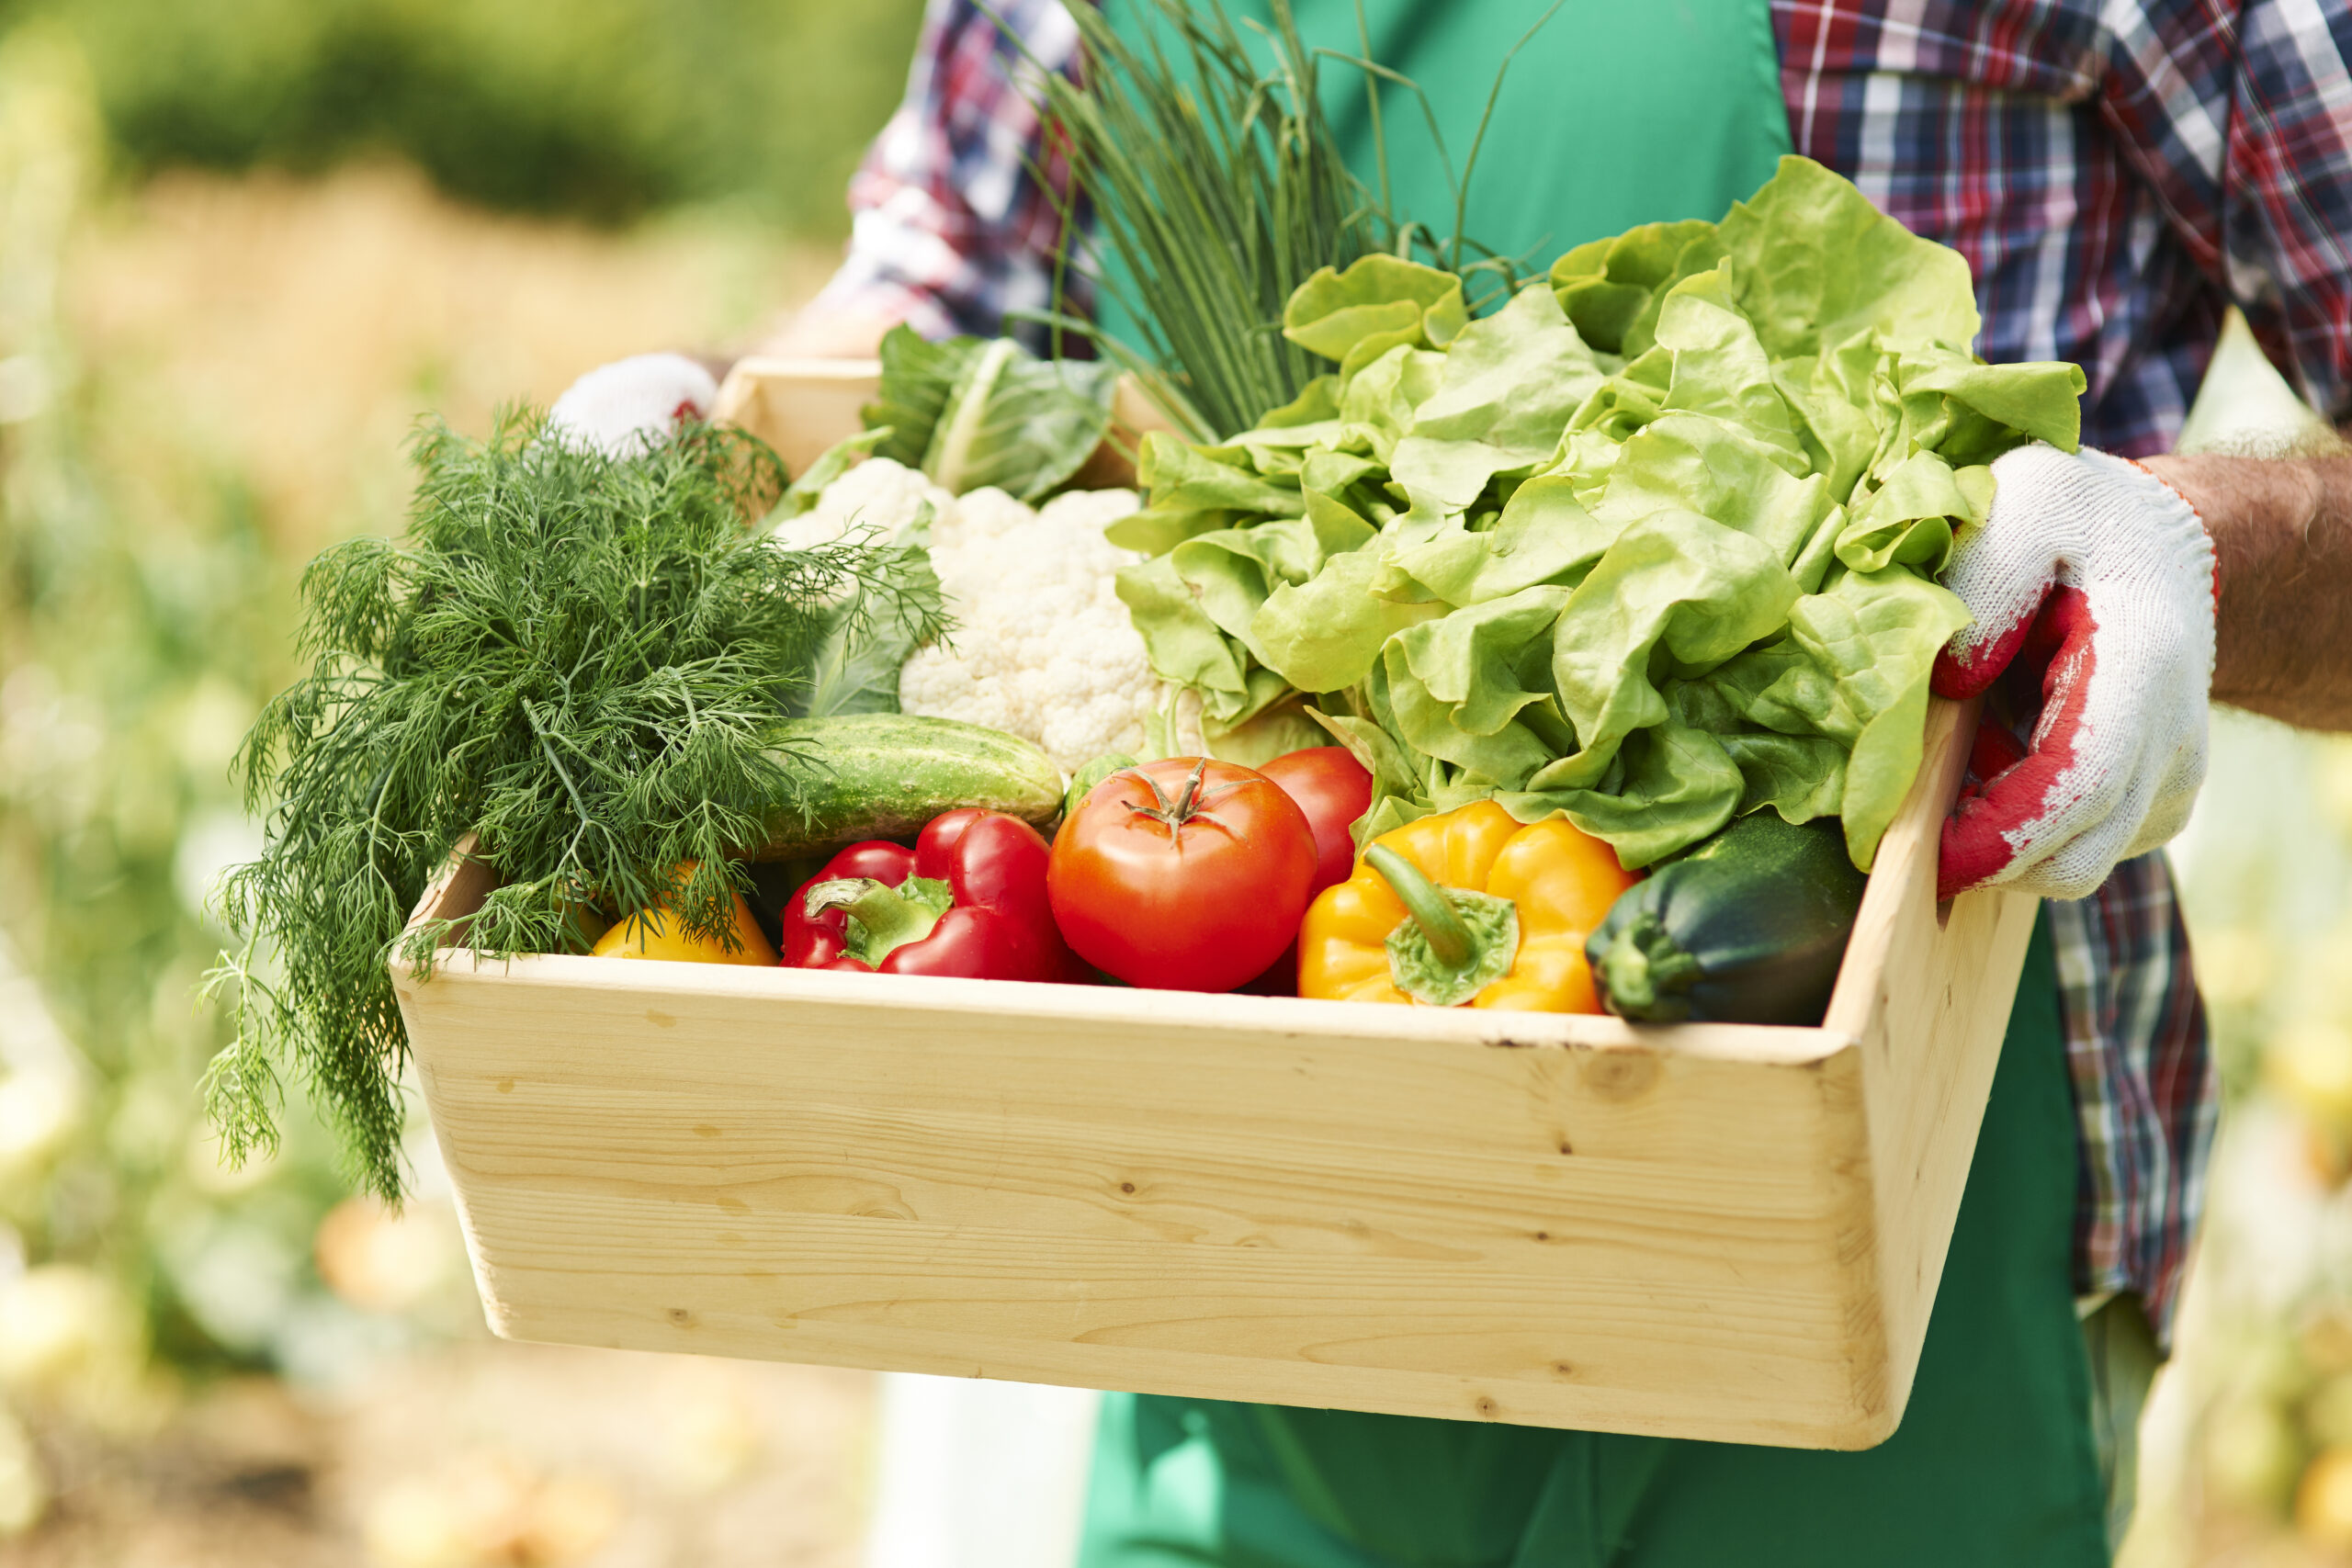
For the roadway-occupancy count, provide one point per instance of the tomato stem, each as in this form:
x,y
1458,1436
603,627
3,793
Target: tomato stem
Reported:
x,y
1440,924
1188,807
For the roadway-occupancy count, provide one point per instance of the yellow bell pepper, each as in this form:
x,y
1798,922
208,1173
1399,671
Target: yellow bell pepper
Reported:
x,y
649,935
1507,930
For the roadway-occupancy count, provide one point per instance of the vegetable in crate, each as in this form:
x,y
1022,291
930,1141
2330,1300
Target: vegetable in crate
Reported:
x,y
1219,187
968,899
656,932
1043,648
1653,545
976,414
1464,907
1185,873
1748,928
884,775
1335,790
580,658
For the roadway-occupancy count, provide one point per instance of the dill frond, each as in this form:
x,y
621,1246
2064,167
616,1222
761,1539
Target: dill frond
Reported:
x,y
578,658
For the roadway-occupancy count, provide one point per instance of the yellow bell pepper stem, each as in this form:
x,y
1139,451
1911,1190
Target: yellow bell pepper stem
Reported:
x,y
1441,925
1556,881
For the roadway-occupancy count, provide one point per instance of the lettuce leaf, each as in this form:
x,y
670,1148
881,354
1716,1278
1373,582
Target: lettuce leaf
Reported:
x,y
1509,384
1381,302
1650,546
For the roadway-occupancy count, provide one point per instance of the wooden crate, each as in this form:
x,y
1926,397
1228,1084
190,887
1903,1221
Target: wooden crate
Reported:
x,y
1704,1231
797,406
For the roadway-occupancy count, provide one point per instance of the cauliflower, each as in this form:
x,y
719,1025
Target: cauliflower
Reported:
x,y
1043,648
879,494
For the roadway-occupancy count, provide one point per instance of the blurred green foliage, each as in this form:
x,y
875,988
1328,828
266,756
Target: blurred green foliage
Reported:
x,y
602,109
142,623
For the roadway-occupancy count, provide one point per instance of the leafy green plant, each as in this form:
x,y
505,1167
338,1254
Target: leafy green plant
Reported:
x,y
580,658
1221,189
1650,547
603,108
1220,186
972,413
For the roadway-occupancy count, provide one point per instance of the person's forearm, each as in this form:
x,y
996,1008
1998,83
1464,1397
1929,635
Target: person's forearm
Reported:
x,y
2282,545
820,332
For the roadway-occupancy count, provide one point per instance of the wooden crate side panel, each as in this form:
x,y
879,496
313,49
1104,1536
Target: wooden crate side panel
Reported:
x,y
1333,1201
800,407
1951,1021
947,1048
1519,1154
1402,1337
453,894
1009,1178
1927,991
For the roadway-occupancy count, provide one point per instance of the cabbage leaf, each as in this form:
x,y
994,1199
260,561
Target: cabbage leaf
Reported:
x,y
974,412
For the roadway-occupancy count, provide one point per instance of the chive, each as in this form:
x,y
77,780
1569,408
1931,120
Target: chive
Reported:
x,y
1222,189
1220,186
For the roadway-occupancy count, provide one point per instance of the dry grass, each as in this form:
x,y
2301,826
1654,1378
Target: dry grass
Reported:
x,y
478,1456
287,333
267,345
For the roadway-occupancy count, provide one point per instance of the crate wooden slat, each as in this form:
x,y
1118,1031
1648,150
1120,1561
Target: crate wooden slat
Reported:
x,y
797,406
1705,1231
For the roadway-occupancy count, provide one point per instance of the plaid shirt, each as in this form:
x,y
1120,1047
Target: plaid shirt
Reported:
x,y
950,228
2116,173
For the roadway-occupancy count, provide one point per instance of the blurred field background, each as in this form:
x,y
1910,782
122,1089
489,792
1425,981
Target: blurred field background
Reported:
x,y
243,245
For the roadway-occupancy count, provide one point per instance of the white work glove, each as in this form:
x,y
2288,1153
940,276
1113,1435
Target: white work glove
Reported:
x,y
2096,573
622,408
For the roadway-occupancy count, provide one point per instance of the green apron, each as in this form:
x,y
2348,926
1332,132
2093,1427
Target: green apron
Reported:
x,y
1623,112
1994,1463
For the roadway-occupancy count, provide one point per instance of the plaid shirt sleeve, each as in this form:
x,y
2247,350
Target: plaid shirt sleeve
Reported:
x,y
2239,117
2141,1060
951,227
2115,174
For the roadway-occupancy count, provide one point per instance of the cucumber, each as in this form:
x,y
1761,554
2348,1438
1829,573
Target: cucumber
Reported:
x,y
1748,928
1088,774
883,775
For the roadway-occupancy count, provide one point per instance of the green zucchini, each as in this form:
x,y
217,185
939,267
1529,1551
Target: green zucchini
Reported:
x,y
883,775
1748,928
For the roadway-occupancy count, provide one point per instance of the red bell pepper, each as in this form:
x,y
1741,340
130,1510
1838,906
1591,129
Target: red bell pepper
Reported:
x,y
968,900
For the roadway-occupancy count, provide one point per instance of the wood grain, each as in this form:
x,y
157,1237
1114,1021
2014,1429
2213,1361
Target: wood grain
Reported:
x,y
797,406
1926,990
1712,1231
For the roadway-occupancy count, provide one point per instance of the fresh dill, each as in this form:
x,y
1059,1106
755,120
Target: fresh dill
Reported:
x,y
578,657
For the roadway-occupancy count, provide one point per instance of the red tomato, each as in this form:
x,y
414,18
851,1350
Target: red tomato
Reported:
x,y
1333,789
1185,874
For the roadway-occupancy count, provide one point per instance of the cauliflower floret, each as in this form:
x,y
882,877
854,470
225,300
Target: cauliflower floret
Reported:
x,y
1043,648
879,494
